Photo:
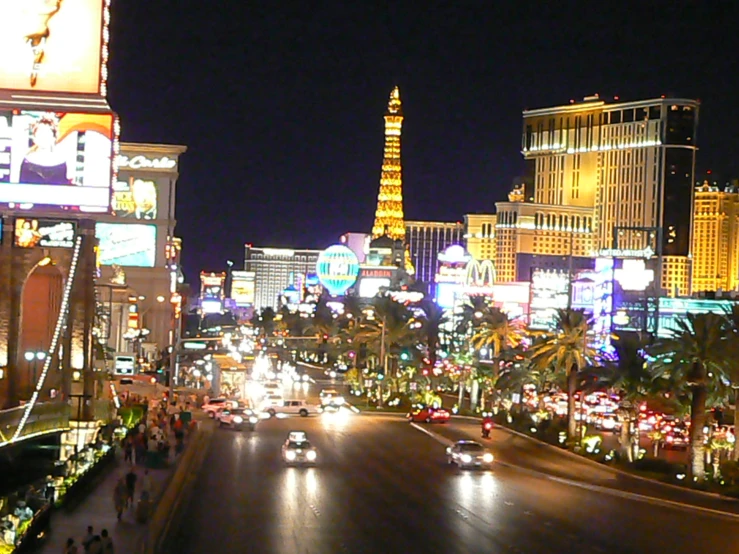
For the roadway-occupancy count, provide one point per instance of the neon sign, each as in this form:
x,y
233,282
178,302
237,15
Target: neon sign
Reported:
x,y
142,162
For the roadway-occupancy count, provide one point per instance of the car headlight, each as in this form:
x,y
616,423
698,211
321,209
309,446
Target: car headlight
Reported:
x,y
466,458
487,458
304,377
290,455
339,400
238,419
311,455
253,420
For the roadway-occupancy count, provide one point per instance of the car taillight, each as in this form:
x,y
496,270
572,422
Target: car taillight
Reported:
x,y
488,426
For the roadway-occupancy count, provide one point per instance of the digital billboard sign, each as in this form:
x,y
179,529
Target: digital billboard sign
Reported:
x,y
369,287
127,244
135,199
56,159
52,45
243,287
45,233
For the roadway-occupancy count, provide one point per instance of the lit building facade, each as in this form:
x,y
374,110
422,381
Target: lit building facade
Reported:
x,y
631,164
715,264
426,240
479,236
137,246
389,213
275,269
532,235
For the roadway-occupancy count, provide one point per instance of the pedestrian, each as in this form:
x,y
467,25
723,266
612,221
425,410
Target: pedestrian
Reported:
x,y
70,548
107,542
128,451
87,540
119,497
96,546
131,485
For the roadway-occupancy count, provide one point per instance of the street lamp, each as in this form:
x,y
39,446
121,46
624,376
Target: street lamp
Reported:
x,y
34,358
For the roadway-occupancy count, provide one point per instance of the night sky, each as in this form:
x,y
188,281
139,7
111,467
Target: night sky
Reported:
x,y
281,103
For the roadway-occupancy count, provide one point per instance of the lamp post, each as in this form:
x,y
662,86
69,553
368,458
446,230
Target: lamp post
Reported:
x,y
33,358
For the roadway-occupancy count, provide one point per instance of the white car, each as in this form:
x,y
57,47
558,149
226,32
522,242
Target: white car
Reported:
x,y
237,418
331,399
298,452
468,454
215,404
272,400
293,407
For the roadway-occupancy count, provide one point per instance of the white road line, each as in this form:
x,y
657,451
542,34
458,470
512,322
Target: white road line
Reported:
x,y
596,488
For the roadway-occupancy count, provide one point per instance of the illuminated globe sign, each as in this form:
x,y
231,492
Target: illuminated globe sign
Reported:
x,y
337,269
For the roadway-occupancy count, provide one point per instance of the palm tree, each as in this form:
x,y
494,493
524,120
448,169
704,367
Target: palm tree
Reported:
x,y
694,355
474,313
732,358
630,375
568,351
432,322
498,333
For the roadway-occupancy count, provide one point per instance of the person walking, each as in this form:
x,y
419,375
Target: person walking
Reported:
x,y
107,542
87,540
128,451
96,546
119,497
131,485
70,547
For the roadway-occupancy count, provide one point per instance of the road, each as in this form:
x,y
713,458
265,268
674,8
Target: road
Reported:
x,y
383,486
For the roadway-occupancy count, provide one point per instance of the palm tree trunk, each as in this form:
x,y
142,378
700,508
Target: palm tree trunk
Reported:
x,y
474,393
571,389
461,393
736,422
697,465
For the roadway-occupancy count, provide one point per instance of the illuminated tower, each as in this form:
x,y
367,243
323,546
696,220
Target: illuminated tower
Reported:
x,y
389,214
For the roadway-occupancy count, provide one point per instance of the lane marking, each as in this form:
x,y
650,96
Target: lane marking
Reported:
x,y
597,488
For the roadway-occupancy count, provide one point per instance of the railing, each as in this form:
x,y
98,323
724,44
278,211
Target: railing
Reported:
x,y
44,418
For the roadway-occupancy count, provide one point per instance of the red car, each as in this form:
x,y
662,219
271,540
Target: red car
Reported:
x,y
428,414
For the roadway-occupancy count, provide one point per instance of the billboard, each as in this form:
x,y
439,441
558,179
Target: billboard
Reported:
x,y
124,365
369,287
127,244
52,45
56,159
46,233
135,199
448,294
549,291
243,287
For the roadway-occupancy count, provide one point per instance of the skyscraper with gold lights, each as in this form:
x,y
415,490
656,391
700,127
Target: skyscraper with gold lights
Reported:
x,y
389,213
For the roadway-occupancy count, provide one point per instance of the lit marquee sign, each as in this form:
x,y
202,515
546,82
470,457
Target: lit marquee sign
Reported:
x,y
144,162
45,233
634,275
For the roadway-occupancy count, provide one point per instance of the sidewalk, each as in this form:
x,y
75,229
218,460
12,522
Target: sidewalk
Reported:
x,y
97,510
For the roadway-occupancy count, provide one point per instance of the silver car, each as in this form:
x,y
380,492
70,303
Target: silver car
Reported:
x,y
298,452
468,454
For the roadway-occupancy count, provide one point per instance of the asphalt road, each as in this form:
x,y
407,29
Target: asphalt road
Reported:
x,y
381,486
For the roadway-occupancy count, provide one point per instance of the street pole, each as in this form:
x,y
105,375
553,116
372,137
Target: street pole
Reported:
x,y
383,361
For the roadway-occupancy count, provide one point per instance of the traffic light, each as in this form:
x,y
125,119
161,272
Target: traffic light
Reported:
x,y
352,354
380,376
405,356
426,372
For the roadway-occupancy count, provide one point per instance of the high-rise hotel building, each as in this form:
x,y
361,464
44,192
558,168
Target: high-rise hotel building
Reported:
x,y
605,175
426,239
715,238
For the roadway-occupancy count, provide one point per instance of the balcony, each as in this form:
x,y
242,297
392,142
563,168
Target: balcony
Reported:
x,y
45,418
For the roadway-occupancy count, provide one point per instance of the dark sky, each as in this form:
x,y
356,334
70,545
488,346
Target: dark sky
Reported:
x,y
281,103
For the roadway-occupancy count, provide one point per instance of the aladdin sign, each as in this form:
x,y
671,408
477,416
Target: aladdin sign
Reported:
x,y
144,162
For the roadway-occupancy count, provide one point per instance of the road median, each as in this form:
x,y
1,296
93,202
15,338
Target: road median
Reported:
x,y
176,494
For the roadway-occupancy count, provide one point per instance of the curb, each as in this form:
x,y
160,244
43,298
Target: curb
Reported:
x,y
596,488
177,492
613,470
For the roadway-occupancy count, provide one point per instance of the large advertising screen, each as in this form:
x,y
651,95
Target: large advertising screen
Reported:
x,y
549,290
45,233
243,288
127,244
369,287
135,199
56,159
51,45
